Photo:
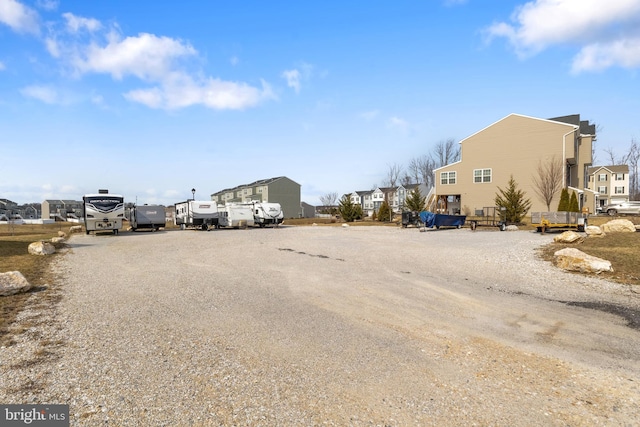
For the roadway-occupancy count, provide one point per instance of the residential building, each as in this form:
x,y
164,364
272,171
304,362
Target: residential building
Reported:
x,y
610,184
275,190
370,200
62,209
515,146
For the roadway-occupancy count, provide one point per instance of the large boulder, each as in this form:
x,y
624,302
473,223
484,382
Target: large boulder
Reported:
x,y
568,237
41,248
13,282
75,229
594,231
619,226
511,228
572,259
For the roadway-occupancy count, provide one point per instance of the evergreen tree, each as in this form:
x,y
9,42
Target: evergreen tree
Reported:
x,y
563,206
348,210
573,203
384,213
416,201
512,202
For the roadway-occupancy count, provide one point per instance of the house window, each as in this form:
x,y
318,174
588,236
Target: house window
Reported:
x,y
481,175
619,190
447,178
602,177
619,177
602,190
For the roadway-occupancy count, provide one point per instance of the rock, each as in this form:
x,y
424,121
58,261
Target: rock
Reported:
x,y
572,259
594,231
568,237
345,225
62,234
618,226
57,239
511,228
75,229
13,282
41,248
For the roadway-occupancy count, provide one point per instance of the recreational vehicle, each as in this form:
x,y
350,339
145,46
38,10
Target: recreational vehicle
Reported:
x,y
196,214
236,216
103,212
149,217
267,213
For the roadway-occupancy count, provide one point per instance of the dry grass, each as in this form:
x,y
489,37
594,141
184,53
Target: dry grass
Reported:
x,y
621,249
14,256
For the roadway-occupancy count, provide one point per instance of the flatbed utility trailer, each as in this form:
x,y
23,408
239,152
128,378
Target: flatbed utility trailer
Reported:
x,y
488,216
558,221
147,217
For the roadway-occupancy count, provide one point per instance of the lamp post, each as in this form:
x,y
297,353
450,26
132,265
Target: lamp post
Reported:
x,y
193,192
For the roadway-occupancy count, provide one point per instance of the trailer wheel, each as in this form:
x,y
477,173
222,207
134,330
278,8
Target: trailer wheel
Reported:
x,y
503,226
204,227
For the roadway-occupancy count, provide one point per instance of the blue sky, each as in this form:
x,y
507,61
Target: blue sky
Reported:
x,y
152,99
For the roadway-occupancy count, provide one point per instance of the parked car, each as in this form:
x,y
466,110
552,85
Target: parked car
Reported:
x,y
629,208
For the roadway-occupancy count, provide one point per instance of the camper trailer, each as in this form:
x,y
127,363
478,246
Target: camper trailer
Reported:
x,y
201,215
236,216
267,213
147,217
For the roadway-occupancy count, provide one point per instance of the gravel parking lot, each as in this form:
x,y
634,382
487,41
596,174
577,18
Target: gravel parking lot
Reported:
x,y
327,325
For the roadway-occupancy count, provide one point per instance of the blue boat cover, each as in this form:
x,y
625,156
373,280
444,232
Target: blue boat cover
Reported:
x,y
441,220
428,218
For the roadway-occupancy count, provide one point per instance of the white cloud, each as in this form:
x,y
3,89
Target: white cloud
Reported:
x,y
293,79
182,91
398,123
19,17
47,4
599,56
296,76
2,66
369,115
45,94
146,56
590,24
78,23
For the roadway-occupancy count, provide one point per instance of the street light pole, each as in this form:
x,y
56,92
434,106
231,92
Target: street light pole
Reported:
x,y
193,192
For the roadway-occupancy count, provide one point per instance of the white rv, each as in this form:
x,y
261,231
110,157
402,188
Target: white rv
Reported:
x,y
265,213
236,216
103,212
197,214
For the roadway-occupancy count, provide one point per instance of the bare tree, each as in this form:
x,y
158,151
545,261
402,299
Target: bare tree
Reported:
x,y
611,156
329,199
548,180
445,152
631,159
421,170
393,174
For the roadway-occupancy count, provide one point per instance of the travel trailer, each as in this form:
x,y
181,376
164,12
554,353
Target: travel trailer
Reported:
x,y
267,213
147,217
236,216
196,214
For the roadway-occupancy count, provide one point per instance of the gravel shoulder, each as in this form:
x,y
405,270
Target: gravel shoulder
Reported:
x,y
326,326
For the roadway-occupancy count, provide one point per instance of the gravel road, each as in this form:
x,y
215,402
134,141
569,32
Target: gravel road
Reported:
x,y
317,325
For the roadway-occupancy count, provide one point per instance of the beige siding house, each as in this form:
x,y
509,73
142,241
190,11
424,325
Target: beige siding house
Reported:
x,y
609,183
515,146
